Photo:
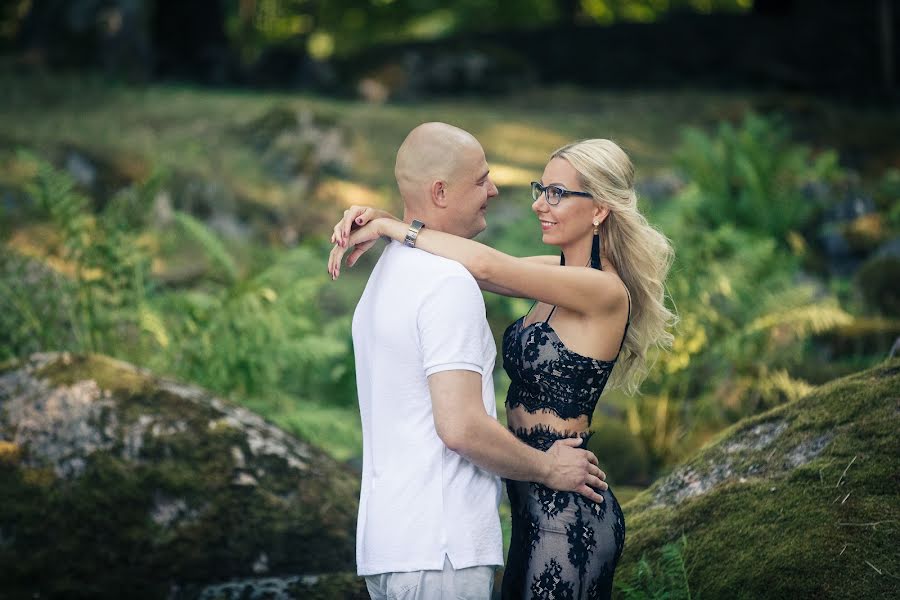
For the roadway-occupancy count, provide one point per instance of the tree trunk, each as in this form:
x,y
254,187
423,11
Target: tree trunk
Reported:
x,y
887,44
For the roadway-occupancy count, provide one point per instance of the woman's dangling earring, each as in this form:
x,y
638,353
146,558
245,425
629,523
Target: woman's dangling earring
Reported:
x,y
595,247
562,259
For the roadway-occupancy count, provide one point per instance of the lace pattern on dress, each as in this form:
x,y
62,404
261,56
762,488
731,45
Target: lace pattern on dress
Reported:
x,y
546,375
563,545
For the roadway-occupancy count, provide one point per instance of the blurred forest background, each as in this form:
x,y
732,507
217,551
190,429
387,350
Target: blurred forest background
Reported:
x,y
170,172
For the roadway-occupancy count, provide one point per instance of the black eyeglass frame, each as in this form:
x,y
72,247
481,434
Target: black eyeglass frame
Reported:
x,y
537,189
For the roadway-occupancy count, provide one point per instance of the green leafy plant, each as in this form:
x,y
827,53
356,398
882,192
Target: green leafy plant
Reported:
x,y
663,579
753,175
102,270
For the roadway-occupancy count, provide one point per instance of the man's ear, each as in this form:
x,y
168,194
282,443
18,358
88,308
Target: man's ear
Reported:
x,y
439,193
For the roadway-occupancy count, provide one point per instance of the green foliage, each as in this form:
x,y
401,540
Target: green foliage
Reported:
x,y
753,176
36,307
878,279
747,314
210,243
887,195
108,269
664,580
621,452
261,337
342,26
263,334
745,323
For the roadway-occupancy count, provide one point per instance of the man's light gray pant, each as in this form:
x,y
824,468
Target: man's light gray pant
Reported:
x,y
473,583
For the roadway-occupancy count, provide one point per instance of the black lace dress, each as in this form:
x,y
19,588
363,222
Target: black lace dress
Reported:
x,y
563,545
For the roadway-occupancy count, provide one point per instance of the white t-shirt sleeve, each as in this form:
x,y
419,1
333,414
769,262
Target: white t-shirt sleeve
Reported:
x,y
451,324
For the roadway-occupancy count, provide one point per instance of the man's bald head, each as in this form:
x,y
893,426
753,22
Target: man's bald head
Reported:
x,y
432,151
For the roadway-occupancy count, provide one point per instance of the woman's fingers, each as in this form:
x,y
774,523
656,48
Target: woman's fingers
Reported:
x,y
358,251
353,215
334,261
361,240
331,263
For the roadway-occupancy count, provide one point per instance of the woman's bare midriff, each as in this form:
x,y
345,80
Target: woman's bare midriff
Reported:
x,y
518,417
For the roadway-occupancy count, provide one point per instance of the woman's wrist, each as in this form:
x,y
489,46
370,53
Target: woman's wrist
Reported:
x,y
388,227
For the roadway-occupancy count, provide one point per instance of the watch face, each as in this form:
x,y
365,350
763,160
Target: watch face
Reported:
x,y
413,233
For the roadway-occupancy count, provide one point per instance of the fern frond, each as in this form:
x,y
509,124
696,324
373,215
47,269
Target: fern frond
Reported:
x,y
151,322
802,320
209,242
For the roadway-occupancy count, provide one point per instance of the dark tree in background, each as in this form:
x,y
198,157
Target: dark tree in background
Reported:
x,y
834,45
190,40
773,7
568,11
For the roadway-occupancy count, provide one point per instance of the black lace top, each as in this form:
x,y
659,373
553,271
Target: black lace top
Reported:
x,y
546,375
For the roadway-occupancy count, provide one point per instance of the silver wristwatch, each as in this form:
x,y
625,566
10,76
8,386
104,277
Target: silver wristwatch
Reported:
x,y
413,233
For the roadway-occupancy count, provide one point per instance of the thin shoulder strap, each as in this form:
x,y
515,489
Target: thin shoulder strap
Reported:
x,y
628,322
552,310
627,293
524,317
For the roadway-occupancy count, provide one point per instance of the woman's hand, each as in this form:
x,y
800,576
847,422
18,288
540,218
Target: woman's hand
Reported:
x,y
355,217
361,239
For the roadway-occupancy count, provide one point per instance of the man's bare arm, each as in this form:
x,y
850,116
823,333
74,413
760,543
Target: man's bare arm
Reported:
x,y
465,427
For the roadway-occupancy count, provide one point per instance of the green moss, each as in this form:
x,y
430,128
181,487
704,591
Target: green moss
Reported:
x,y
110,374
172,510
793,532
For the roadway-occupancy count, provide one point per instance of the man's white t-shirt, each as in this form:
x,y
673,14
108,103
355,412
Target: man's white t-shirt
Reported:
x,y
420,314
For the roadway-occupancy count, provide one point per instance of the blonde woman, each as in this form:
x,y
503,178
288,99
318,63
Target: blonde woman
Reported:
x,y
592,324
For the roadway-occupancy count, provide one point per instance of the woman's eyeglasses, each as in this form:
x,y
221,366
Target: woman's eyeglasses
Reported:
x,y
554,193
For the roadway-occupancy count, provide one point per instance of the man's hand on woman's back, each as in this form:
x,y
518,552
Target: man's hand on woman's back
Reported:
x,y
575,470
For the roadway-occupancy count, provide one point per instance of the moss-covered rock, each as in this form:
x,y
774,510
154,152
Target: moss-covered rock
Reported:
x,y
802,501
115,483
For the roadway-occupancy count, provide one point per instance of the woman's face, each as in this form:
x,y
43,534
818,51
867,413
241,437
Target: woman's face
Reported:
x,y
571,219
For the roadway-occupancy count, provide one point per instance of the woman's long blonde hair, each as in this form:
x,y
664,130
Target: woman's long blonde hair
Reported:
x,y
639,252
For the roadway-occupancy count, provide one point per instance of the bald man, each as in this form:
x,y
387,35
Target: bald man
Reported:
x,y
428,524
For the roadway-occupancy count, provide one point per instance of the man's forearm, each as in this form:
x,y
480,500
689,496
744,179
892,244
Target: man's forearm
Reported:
x,y
494,448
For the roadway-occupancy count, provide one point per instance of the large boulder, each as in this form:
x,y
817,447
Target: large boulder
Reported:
x,y
118,484
802,501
